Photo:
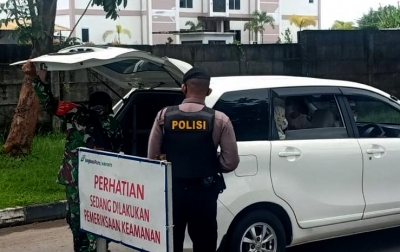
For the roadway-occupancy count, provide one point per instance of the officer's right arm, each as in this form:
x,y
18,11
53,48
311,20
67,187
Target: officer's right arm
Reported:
x,y
44,94
229,157
46,98
155,139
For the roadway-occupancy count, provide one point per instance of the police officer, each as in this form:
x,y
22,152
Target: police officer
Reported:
x,y
188,136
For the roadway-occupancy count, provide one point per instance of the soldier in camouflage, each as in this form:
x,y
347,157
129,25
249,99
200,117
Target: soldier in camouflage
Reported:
x,y
89,126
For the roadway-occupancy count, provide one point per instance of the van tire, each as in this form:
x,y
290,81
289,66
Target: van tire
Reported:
x,y
257,219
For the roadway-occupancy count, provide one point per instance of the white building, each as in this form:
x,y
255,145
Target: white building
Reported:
x,y
154,21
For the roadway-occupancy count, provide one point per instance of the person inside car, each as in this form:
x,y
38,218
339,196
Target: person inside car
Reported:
x,y
295,118
280,119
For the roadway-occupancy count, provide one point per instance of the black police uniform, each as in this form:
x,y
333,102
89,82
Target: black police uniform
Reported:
x,y
189,146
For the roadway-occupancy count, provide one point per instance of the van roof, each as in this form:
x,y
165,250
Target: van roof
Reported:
x,y
234,83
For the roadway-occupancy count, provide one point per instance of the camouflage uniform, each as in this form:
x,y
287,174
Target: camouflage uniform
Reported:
x,y
79,134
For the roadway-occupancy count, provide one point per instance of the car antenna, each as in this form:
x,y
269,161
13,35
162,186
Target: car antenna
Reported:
x,y
105,84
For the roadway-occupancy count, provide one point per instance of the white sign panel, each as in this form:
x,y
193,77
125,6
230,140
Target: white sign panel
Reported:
x,y
126,199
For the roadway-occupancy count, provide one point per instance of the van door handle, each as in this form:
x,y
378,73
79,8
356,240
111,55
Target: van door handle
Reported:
x,y
375,151
289,154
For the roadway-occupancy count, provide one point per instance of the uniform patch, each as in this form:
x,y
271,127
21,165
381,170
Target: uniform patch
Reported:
x,y
189,125
64,107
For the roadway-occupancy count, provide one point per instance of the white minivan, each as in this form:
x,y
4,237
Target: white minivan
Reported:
x,y
318,158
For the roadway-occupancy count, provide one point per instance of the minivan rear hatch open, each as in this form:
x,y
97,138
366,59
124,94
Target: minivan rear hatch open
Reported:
x,y
154,83
127,68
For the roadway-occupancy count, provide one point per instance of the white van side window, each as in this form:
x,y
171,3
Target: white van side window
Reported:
x,y
248,111
313,117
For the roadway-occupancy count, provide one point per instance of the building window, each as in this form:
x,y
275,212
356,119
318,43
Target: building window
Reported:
x,y
238,35
217,42
186,3
219,5
235,4
85,35
311,1
194,42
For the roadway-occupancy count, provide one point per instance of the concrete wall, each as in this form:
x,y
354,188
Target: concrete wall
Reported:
x,y
6,37
367,57
63,5
228,38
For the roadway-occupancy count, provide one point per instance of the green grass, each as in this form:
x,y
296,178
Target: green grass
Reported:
x,y
32,179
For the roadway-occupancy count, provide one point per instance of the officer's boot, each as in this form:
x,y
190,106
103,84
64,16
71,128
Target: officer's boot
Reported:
x,y
81,243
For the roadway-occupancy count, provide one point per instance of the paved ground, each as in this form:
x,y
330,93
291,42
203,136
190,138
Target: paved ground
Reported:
x,y
42,237
379,241
55,236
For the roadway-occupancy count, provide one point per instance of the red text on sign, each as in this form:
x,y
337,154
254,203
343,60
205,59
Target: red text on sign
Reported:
x,y
138,231
123,209
120,187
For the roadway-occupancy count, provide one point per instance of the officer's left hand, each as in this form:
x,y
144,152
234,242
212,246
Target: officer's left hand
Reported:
x,y
162,157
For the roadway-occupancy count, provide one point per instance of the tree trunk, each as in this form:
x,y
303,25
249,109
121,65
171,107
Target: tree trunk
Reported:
x,y
23,126
250,37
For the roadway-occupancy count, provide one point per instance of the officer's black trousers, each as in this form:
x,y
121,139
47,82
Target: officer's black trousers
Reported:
x,y
195,206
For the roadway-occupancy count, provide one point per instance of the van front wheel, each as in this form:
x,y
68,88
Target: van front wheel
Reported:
x,y
258,231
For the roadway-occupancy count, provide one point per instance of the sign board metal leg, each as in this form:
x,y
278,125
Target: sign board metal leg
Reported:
x,y
101,245
170,208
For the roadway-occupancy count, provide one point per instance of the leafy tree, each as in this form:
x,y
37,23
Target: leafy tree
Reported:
x,y
169,41
195,27
369,20
287,36
384,17
119,30
35,20
341,25
302,21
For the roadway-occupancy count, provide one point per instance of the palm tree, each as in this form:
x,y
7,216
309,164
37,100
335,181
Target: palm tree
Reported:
x,y
262,19
119,30
302,21
249,26
341,25
194,27
258,22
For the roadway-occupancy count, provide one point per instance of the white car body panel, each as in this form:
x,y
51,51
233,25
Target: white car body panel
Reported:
x,y
334,188
322,188
381,198
301,236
